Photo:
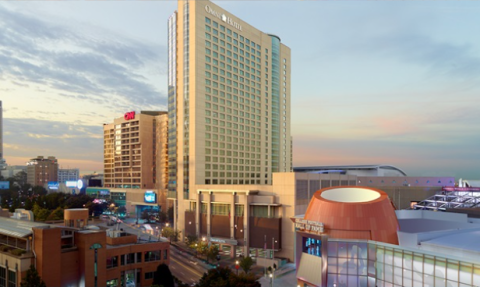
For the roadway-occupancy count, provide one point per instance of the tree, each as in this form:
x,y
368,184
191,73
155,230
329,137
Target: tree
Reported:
x,y
218,277
170,233
224,277
163,276
191,240
32,279
57,214
246,263
40,190
244,280
21,178
28,204
212,252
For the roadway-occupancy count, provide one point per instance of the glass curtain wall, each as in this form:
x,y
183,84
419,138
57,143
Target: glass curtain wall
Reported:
x,y
376,264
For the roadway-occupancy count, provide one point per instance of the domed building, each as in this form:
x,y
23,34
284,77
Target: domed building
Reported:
x,y
345,213
354,213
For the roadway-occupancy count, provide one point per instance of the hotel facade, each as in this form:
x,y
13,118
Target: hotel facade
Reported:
x,y
135,160
228,110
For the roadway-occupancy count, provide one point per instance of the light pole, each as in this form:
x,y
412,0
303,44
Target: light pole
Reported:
x,y
196,250
237,266
271,280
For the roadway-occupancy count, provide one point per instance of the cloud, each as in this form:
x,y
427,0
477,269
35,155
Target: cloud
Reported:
x,y
32,137
100,68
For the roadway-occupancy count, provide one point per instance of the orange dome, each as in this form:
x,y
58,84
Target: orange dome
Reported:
x,y
354,212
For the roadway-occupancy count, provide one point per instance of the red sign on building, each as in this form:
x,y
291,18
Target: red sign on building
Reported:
x,y
129,116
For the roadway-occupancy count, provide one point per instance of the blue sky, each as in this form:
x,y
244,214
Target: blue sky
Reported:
x,y
392,82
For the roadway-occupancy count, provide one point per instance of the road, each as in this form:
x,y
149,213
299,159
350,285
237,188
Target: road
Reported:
x,y
184,267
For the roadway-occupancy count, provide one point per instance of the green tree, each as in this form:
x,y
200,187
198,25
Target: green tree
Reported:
x,y
170,233
225,277
246,263
39,190
57,214
212,252
191,240
163,276
28,204
244,280
32,279
42,214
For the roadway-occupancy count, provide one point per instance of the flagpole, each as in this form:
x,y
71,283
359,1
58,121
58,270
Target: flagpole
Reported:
x,y
265,255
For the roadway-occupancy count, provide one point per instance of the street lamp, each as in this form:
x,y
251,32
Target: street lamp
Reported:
x,y
237,266
271,279
196,250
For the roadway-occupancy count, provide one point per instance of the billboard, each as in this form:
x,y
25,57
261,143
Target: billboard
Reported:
x,y
4,184
53,185
150,197
71,183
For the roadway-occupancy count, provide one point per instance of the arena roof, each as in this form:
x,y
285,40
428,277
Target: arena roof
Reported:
x,y
347,167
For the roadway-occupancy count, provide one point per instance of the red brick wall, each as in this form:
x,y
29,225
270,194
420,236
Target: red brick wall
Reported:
x,y
47,248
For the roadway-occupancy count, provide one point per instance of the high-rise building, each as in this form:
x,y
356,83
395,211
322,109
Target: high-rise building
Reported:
x,y
42,170
135,151
229,111
229,99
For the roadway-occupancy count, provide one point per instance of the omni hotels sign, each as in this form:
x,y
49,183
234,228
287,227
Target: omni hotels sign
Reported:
x,y
309,225
223,17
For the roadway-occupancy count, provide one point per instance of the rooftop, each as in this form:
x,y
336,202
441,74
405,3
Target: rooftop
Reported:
x,y
18,228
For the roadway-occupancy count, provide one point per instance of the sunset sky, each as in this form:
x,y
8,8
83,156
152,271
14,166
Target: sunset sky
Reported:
x,y
373,82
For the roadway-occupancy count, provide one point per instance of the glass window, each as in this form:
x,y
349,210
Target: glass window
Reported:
x,y
148,275
152,255
112,262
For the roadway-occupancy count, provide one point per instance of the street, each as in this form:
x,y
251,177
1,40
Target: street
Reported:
x,y
185,267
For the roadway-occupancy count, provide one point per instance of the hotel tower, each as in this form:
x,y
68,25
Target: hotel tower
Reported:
x,y
228,108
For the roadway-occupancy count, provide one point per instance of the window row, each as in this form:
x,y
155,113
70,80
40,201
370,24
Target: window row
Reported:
x,y
132,258
235,35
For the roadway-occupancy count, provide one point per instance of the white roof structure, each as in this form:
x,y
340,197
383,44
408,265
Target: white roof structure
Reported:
x,y
18,228
453,234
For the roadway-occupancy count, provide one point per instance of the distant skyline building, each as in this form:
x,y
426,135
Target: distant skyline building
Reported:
x,y
42,170
135,151
69,174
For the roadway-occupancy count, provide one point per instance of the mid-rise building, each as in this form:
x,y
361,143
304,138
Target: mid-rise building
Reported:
x,y
70,174
135,154
229,108
136,161
42,170
77,254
